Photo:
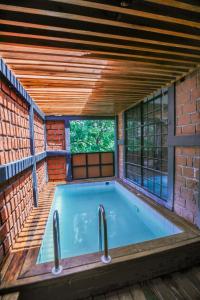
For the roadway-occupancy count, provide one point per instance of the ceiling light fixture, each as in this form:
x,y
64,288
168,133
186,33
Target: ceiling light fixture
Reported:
x,y
125,3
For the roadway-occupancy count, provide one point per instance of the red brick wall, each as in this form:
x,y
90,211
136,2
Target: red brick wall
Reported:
x,y
187,160
120,136
56,168
55,135
188,105
16,202
16,195
38,134
41,175
14,126
187,183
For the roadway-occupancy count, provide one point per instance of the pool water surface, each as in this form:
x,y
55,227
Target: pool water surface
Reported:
x,y
129,219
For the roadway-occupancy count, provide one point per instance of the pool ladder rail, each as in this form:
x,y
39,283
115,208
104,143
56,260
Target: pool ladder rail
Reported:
x,y
57,269
106,259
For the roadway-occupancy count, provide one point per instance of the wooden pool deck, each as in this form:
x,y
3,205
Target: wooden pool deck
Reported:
x,y
33,230
85,275
178,285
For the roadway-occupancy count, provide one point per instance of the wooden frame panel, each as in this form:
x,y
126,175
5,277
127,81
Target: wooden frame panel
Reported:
x,y
92,165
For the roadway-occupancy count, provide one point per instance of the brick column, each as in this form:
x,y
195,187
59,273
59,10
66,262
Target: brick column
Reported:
x,y
187,158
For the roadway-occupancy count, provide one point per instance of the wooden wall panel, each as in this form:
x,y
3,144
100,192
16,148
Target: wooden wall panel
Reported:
x,y
79,159
107,158
107,171
93,171
79,173
93,159
92,165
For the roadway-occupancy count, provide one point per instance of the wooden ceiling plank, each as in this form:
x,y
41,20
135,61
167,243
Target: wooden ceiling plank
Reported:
x,y
91,70
100,34
110,46
188,62
168,67
93,75
60,58
129,11
177,4
79,68
78,17
58,54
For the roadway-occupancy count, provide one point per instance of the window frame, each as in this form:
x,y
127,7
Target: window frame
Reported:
x,y
145,168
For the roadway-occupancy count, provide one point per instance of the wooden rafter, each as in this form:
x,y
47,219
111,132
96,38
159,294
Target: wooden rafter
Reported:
x,y
96,57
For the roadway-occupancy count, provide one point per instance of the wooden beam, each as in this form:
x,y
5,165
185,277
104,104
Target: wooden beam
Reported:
x,y
130,11
108,22
116,37
177,4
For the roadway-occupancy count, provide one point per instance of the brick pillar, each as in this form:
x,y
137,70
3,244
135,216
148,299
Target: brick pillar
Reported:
x,y
56,141
187,158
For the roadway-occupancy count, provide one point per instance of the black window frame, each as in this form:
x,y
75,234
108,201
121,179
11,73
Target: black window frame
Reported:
x,y
146,126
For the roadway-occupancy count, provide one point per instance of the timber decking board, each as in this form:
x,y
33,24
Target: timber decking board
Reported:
x,y
103,57
33,230
161,288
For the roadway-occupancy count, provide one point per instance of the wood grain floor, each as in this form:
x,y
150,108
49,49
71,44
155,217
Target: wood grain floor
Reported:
x,y
33,230
179,285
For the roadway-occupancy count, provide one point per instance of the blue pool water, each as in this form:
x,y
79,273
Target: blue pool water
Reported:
x,y
130,220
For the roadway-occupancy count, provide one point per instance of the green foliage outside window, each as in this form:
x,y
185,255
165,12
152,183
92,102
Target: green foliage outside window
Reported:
x,y
92,136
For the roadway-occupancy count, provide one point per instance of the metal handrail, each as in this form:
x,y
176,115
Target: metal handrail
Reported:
x,y
102,215
57,269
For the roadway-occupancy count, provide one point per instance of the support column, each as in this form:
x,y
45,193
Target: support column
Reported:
x,y
171,148
45,149
67,147
123,143
32,147
116,148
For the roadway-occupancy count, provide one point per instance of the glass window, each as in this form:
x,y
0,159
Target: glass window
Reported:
x,y
146,152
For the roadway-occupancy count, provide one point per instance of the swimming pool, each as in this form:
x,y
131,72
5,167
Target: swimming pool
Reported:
x,y
130,220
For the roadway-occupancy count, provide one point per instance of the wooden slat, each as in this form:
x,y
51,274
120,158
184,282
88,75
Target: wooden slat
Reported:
x,y
97,57
177,4
96,34
32,233
106,7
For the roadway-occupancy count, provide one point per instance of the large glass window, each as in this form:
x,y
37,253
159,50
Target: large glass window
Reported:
x,y
146,127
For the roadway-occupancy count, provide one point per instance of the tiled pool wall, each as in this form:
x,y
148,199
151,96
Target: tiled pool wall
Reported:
x,y
187,158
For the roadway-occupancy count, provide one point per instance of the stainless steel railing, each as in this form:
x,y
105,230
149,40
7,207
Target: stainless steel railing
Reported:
x,y
57,269
102,216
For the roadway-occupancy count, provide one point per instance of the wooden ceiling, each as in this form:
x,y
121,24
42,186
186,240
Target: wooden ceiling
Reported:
x,y
98,57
